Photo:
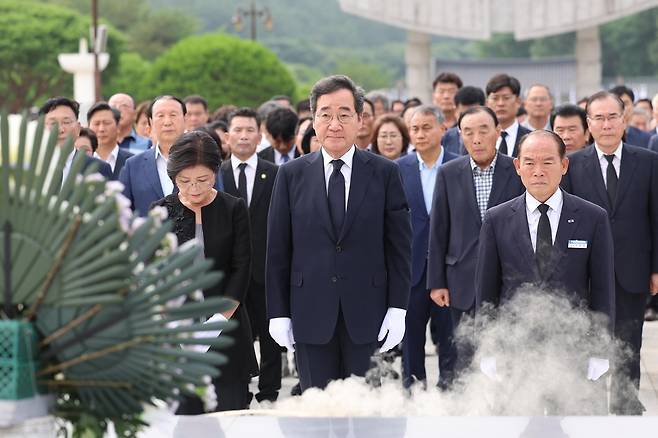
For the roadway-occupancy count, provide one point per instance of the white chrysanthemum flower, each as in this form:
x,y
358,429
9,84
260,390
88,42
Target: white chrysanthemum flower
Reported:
x,y
159,213
93,177
113,188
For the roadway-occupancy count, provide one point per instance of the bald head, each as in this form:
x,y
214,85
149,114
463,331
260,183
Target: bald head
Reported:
x,y
126,105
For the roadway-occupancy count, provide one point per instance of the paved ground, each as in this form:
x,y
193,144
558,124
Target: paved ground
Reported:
x,y
648,383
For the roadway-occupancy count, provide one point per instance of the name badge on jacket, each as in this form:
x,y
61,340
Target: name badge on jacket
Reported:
x,y
578,244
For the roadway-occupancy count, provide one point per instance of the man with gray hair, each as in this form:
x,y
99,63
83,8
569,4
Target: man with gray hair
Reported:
x,y
538,104
338,246
379,102
127,136
426,129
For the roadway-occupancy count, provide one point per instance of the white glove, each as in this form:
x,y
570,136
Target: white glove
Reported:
x,y
217,317
393,324
488,368
281,332
596,368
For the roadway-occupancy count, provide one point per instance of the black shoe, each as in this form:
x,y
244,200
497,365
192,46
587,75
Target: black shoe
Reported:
x,y
650,314
296,390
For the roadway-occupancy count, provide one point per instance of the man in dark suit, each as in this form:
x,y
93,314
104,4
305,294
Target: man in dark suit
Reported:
x,y
465,189
634,136
251,178
503,96
63,113
339,246
418,177
104,121
144,176
622,179
549,239
281,125
467,97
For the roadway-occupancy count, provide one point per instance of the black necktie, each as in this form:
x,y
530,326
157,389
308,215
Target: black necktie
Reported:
x,y
242,182
503,143
544,240
611,180
336,196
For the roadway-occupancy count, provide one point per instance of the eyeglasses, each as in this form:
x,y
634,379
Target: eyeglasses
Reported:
x,y
64,123
601,118
187,185
326,118
501,98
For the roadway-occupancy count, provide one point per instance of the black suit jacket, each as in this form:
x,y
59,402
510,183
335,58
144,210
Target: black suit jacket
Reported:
x,y
121,160
101,166
634,217
506,260
227,241
268,153
455,225
519,134
258,210
637,137
312,273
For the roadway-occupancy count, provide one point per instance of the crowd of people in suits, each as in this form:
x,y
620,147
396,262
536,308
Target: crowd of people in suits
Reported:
x,y
347,224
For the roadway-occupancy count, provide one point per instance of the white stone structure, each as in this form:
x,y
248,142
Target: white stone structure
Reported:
x,y
478,19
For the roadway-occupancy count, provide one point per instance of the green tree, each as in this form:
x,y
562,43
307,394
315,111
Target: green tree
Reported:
x,y
31,37
131,77
369,76
223,68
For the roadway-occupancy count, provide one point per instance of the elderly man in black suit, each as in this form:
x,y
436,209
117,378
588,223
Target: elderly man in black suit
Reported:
x,y
548,238
623,179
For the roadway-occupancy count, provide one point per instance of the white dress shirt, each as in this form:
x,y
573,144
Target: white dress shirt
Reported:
x,y
112,158
346,170
511,137
533,214
161,163
277,156
616,162
249,172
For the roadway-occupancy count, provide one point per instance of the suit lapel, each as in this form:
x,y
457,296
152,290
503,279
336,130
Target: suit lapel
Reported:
x,y
626,171
314,174
469,188
151,172
501,176
569,220
259,182
361,172
593,168
417,199
520,224
229,180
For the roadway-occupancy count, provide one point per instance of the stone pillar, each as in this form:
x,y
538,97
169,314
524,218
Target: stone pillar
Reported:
x,y
588,61
417,58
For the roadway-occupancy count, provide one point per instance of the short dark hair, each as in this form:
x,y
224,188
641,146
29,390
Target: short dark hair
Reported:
x,y
620,90
447,78
475,110
211,132
149,113
303,105
247,112
570,110
91,135
561,147
264,109
306,139
399,124
600,95
376,96
142,109
370,104
470,95
222,112
645,100
54,102
192,149
281,123
218,124
196,99
521,111
332,84
103,106
501,81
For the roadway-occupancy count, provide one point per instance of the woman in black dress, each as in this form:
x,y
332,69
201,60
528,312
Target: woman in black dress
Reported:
x,y
221,222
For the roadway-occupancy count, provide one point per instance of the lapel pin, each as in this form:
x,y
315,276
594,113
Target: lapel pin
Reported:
x,y
263,176
570,221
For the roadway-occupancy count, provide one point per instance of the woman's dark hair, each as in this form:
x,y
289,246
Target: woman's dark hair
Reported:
x,y
142,110
399,123
306,139
191,149
91,135
211,132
